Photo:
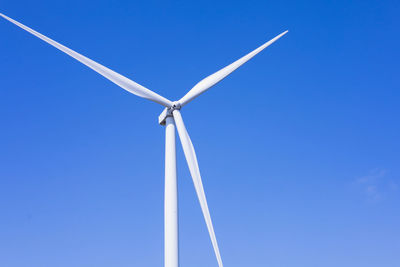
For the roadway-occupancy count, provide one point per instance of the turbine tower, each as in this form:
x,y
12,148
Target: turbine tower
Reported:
x,y
170,117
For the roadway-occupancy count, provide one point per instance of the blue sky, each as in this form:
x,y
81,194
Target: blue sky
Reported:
x,y
298,149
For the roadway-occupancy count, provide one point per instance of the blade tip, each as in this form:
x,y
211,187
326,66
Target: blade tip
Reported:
x,y
4,16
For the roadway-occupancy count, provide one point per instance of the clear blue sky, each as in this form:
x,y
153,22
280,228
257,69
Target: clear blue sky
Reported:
x,y
300,161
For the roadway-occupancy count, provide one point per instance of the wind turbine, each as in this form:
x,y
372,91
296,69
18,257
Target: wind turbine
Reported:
x,y
170,117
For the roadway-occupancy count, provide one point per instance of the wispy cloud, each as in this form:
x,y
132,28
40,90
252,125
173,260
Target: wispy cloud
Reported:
x,y
376,183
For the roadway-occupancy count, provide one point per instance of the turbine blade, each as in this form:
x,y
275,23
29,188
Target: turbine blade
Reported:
x,y
218,76
116,78
191,159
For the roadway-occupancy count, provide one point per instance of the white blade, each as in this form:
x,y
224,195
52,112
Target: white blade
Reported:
x,y
191,159
116,78
215,78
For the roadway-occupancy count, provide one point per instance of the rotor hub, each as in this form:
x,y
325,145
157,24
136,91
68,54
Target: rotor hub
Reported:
x,y
167,112
175,105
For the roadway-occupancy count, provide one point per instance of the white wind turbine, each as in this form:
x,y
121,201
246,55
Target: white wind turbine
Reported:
x,y
170,117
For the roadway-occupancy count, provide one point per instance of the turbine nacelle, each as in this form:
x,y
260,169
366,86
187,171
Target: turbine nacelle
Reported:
x,y
167,112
